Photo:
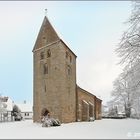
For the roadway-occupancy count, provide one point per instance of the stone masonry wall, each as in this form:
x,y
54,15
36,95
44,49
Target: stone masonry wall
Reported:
x,y
55,90
88,106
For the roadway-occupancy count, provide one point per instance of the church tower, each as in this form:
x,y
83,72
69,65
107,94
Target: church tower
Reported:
x,y
54,76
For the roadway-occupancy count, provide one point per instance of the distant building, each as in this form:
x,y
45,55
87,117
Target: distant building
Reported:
x,y
55,87
6,109
7,103
26,110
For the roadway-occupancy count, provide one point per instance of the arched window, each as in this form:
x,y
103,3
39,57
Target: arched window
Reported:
x,y
69,70
45,88
48,53
70,58
44,112
45,69
42,55
44,40
67,54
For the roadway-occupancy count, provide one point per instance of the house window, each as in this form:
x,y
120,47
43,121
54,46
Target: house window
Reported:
x,y
42,55
48,53
26,114
45,69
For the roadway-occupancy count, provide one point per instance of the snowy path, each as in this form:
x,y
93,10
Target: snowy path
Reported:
x,y
106,128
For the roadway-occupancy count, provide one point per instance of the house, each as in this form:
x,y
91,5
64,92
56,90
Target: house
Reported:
x,y
26,110
6,107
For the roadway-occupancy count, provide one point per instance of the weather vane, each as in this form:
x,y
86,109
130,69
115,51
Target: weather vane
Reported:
x,y
46,12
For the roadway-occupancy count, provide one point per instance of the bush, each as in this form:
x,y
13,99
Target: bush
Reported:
x,y
47,122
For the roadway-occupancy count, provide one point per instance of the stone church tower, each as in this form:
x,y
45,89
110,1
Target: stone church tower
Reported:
x,y
54,66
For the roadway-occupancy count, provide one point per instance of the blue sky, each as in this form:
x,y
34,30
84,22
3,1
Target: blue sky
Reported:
x,y
92,29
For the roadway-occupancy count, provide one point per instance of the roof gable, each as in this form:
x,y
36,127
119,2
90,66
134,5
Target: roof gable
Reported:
x,y
46,35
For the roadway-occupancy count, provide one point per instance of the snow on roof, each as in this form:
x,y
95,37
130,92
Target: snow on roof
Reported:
x,y
85,102
91,103
8,102
25,107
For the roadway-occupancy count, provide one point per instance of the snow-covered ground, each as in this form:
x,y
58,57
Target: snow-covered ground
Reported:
x,y
103,129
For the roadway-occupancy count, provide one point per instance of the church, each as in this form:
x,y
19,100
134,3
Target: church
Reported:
x,y
54,81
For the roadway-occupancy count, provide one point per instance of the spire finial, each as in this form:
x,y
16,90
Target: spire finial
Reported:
x,y
46,12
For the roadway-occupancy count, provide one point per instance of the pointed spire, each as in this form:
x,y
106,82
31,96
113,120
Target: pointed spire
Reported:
x,y
47,34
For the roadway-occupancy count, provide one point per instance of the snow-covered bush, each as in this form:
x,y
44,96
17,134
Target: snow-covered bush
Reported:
x,y
91,119
48,121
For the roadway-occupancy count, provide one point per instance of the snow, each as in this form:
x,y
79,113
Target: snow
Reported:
x,y
91,104
85,102
25,107
103,129
8,102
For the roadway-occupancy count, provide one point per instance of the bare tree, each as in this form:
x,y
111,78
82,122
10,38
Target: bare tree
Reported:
x,y
122,93
129,46
127,86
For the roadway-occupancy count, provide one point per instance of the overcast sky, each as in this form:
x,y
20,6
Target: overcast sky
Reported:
x,y
91,29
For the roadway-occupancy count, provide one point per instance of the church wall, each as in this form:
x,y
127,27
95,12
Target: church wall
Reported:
x,y
68,98
98,108
48,87
93,105
56,90
84,96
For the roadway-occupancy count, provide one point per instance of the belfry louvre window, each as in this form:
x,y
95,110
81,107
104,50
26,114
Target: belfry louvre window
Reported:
x,y
48,53
42,55
45,69
44,41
